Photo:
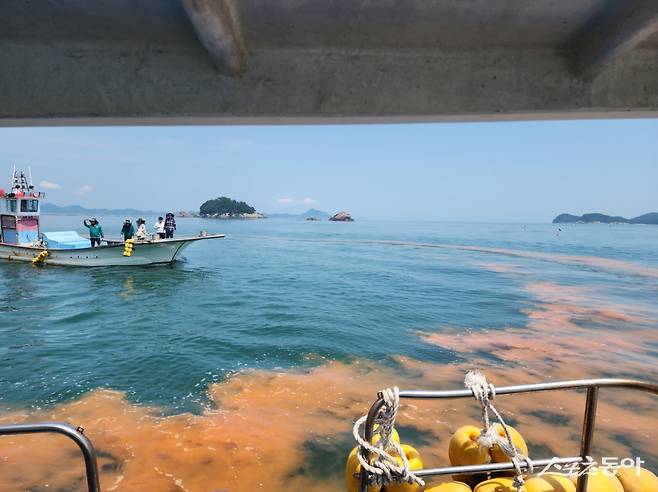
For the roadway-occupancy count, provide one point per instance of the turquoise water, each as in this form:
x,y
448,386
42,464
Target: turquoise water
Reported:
x,y
285,294
329,313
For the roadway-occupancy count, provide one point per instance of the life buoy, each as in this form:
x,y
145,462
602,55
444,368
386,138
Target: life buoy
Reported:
x,y
549,482
415,463
637,479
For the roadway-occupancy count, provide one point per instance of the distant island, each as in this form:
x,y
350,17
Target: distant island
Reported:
x,y
342,217
227,208
650,218
52,209
311,213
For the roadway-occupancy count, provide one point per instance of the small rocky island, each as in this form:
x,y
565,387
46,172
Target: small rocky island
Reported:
x,y
341,217
227,208
596,218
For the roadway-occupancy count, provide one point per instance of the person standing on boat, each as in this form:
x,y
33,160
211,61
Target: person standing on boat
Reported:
x,y
159,227
170,225
128,230
141,229
95,231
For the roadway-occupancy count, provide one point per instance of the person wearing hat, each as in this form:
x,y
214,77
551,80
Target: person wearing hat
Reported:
x,y
141,229
170,225
95,231
128,230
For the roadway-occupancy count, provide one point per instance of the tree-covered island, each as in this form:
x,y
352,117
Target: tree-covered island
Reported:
x,y
227,208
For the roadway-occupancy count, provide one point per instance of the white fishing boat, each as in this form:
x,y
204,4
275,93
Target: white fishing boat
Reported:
x,y
22,240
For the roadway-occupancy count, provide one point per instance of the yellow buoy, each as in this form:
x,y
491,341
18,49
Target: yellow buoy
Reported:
x,y
464,448
40,258
549,482
352,470
128,247
354,467
415,463
601,481
394,435
497,454
500,484
637,480
449,487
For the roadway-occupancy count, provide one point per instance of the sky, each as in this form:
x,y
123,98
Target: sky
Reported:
x,y
493,172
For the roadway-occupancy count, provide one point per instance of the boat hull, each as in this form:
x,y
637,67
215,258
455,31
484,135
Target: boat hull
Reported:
x,y
144,253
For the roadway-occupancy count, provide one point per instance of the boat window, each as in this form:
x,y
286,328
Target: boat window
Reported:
x,y
11,205
8,221
29,205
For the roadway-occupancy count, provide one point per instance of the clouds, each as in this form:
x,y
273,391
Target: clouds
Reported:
x,y
84,190
49,185
289,201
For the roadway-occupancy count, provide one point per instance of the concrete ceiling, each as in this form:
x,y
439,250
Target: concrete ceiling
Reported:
x,y
258,61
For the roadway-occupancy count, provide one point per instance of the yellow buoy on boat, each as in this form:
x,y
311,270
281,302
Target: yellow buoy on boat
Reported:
x,y
497,454
549,482
415,463
353,467
352,471
394,435
601,481
40,258
128,247
464,448
449,487
500,484
635,479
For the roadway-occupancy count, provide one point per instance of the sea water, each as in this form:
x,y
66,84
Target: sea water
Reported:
x,y
353,306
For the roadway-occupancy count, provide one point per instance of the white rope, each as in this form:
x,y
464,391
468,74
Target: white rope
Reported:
x,y
484,392
382,465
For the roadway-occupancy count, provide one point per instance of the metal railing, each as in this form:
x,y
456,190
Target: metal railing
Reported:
x,y
587,432
74,433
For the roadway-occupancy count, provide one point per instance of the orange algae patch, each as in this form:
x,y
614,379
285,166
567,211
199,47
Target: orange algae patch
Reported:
x,y
267,425
503,268
580,260
262,436
570,334
288,431
595,262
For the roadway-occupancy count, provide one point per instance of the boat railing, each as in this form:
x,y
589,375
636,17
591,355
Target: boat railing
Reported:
x,y
587,432
74,433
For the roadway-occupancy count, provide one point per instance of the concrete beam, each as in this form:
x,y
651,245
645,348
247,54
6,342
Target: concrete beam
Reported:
x,y
218,30
615,30
122,61
176,84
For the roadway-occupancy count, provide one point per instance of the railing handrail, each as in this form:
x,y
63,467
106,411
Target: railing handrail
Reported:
x,y
528,388
73,433
592,386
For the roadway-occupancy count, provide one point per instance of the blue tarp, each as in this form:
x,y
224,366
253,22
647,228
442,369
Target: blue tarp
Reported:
x,y
27,237
64,240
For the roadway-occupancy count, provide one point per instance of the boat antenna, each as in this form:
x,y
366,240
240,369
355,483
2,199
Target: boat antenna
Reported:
x,y
29,170
15,181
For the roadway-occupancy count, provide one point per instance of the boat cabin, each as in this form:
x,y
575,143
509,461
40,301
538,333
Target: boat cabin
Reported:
x,y
19,212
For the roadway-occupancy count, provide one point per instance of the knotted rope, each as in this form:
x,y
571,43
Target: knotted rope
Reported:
x,y
383,466
484,392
